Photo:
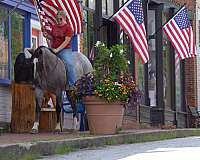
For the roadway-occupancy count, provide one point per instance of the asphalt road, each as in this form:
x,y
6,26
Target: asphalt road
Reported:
x,y
183,148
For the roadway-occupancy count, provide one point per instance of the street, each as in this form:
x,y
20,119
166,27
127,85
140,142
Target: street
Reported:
x,y
183,148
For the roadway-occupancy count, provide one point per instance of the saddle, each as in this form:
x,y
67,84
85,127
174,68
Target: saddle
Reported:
x,y
23,69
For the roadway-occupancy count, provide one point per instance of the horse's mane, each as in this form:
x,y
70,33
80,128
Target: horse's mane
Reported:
x,y
41,47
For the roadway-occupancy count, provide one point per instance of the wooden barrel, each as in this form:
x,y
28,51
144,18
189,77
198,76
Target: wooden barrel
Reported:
x,y
23,108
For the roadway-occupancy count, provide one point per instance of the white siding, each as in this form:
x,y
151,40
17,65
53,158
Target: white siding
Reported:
x,y
5,104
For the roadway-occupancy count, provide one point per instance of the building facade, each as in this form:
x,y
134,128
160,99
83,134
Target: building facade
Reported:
x,y
18,30
168,85
15,35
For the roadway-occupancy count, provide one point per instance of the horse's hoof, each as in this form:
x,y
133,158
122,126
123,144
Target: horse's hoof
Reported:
x,y
57,131
34,131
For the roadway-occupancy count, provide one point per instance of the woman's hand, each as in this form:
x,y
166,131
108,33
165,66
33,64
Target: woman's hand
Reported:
x,y
55,50
45,34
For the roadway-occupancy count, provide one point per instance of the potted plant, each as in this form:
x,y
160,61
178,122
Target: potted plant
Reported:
x,y
106,91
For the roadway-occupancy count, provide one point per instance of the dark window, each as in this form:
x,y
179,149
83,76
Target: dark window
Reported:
x,y
88,35
107,7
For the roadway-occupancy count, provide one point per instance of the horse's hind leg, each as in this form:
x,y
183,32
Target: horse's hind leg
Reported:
x,y
38,99
58,111
73,100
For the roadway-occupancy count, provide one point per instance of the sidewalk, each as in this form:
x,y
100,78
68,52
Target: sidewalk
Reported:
x,y
16,146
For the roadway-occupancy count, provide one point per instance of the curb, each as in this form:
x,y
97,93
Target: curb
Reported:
x,y
44,148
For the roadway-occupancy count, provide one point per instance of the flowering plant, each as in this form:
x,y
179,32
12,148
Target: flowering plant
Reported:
x,y
111,79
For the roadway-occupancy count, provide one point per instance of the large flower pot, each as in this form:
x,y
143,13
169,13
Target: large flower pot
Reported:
x,y
103,117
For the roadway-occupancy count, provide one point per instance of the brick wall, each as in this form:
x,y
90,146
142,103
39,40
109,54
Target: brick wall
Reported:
x,y
189,3
190,64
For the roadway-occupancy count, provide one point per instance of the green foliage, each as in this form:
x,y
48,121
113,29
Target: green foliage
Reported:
x,y
114,91
110,62
111,66
111,80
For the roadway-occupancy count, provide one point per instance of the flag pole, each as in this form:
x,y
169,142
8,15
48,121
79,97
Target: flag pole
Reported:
x,y
152,36
36,4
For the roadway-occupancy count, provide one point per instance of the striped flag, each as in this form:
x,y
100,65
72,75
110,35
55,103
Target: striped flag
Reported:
x,y
179,32
47,11
130,17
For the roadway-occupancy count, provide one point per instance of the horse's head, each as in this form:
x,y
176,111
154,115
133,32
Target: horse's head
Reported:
x,y
40,51
43,58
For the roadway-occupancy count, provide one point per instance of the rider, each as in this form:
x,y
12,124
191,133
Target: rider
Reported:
x,y
60,41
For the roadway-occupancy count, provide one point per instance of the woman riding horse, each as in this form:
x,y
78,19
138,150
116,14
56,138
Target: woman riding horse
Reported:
x,y
60,42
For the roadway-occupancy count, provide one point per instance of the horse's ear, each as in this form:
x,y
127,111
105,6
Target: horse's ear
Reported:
x,y
37,52
40,51
31,51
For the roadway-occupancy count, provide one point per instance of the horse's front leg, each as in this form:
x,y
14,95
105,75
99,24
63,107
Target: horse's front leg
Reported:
x,y
58,111
38,99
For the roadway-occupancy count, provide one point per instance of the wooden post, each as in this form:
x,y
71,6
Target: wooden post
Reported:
x,y
48,115
47,120
23,108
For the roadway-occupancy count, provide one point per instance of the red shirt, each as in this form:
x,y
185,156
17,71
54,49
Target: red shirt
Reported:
x,y
59,32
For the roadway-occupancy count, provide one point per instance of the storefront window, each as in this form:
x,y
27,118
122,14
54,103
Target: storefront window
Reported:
x,y
104,7
88,35
110,7
17,34
17,41
166,67
4,62
107,7
139,75
85,33
85,2
178,82
92,4
152,61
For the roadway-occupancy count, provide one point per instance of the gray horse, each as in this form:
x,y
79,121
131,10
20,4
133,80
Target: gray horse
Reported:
x,y
50,76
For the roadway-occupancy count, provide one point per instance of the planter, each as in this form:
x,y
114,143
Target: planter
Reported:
x,y
103,117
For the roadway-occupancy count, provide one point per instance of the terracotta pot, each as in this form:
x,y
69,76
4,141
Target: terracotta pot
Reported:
x,y
103,117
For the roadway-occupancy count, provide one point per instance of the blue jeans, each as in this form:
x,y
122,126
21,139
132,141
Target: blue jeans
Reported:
x,y
68,57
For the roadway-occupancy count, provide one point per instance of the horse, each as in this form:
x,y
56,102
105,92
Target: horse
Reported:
x,y
50,75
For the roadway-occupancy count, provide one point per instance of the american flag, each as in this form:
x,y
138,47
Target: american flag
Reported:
x,y
47,10
130,17
179,32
